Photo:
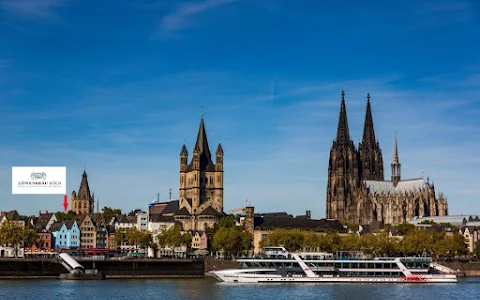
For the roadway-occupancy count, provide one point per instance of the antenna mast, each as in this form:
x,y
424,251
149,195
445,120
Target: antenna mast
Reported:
x,y
170,195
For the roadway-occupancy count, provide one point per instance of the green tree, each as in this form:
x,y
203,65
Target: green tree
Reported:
x,y
405,228
292,239
120,236
477,248
311,240
133,237
30,236
387,246
15,234
228,221
109,213
232,240
173,237
61,216
331,243
350,242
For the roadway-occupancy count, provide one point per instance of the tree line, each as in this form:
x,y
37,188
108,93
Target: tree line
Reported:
x,y
414,242
16,235
226,236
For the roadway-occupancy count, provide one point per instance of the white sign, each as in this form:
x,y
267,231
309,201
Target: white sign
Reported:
x,y
39,180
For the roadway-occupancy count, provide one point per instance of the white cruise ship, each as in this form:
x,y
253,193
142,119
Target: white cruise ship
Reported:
x,y
284,267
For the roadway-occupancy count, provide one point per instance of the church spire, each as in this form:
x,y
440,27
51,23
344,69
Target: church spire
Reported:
x,y
201,149
202,142
368,129
395,150
343,134
84,190
395,163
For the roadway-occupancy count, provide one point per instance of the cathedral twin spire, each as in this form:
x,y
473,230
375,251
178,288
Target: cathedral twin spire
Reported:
x,y
369,152
368,130
343,132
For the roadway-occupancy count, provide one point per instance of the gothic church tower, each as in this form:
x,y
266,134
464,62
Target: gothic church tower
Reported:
x,y
83,201
201,182
343,172
371,161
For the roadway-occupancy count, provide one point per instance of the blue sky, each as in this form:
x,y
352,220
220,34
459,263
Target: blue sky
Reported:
x,y
118,86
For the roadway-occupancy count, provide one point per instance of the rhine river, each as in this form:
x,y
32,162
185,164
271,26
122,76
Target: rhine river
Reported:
x,y
208,288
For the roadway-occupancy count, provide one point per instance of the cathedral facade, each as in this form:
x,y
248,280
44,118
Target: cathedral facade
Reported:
x,y
201,185
83,202
357,192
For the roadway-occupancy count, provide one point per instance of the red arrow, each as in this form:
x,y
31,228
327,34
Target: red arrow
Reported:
x,y
65,203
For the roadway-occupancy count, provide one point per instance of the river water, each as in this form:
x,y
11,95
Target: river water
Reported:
x,y
208,288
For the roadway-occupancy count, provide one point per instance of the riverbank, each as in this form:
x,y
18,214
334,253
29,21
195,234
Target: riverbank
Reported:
x,y
112,268
11,269
464,269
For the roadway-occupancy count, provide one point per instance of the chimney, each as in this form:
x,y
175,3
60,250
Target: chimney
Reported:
x,y
39,212
308,214
46,211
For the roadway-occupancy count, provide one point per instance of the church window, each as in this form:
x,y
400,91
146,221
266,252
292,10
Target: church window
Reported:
x,y
195,177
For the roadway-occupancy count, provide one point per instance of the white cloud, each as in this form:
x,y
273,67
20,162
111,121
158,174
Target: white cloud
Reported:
x,y
43,9
182,16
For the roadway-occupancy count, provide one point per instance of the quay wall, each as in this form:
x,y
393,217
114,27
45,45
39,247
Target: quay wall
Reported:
x,y
219,264
131,268
464,268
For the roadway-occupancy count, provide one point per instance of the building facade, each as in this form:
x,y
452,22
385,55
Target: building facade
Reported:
x,y
66,234
471,237
201,185
88,231
83,201
357,192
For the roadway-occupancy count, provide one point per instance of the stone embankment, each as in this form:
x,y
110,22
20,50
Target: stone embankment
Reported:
x,y
218,264
112,268
464,268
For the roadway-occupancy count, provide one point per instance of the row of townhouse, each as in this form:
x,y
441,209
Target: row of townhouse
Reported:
x,y
89,231
83,231
155,224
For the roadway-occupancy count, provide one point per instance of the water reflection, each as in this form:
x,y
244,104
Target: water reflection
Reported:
x,y
208,288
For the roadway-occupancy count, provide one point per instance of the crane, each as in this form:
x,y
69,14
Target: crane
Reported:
x,y
240,209
237,210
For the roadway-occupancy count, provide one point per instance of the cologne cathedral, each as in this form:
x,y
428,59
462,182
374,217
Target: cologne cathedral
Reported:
x,y
357,192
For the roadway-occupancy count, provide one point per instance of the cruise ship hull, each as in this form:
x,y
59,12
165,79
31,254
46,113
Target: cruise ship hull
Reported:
x,y
241,276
